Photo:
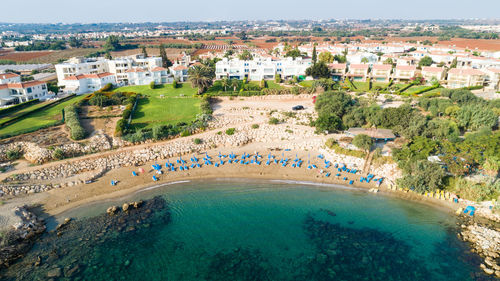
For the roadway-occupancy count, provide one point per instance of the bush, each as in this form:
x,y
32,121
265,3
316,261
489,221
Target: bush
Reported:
x,y
255,126
14,154
185,133
58,154
197,141
77,132
230,131
108,87
274,121
152,85
120,127
174,84
332,144
363,141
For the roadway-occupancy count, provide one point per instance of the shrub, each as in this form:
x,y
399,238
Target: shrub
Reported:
x,y
120,127
77,132
108,87
174,84
255,126
185,133
10,109
363,141
274,121
58,154
14,154
333,144
197,141
152,85
230,131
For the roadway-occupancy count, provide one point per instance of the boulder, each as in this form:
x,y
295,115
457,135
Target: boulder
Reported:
x,y
56,272
125,206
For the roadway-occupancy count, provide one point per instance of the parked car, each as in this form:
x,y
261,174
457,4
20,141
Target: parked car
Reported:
x,y
298,107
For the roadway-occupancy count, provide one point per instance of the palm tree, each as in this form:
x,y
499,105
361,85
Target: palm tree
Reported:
x,y
201,77
235,83
224,83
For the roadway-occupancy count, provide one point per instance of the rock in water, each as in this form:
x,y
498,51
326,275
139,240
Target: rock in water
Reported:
x,y
125,207
56,272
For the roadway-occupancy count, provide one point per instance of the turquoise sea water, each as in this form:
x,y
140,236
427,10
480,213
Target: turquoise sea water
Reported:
x,y
254,230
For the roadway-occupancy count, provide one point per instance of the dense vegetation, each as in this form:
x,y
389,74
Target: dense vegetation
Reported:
x,y
77,132
459,128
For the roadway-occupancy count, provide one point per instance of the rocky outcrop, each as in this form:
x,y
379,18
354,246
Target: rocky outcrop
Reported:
x,y
486,242
17,241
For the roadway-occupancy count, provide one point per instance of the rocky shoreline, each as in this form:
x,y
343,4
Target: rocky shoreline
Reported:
x,y
484,241
18,240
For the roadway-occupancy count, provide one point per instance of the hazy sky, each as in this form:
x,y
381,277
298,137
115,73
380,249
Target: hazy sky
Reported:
x,y
70,11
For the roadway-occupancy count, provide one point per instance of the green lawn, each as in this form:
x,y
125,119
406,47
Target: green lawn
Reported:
x,y
307,83
39,119
22,111
176,105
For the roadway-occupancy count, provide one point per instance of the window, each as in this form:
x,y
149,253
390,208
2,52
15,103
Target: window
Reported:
x,y
29,90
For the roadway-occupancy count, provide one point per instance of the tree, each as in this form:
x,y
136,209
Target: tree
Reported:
x,y
340,59
318,70
144,52
295,53
243,35
245,55
492,165
164,59
235,83
277,78
365,60
224,83
425,61
363,141
112,43
108,56
201,77
75,42
454,63
389,61
474,117
314,55
422,176
328,122
326,57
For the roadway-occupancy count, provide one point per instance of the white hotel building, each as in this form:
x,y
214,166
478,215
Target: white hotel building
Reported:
x,y
258,69
91,66
12,90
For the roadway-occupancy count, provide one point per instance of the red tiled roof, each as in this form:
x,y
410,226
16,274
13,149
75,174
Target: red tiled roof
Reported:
x,y
465,71
337,65
180,67
432,69
89,76
21,85
158,69
494,70
406,67
382,67
8,75
358,66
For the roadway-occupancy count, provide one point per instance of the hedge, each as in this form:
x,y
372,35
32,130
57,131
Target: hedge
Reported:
x,y
13,120
473,88
121,125
405,88
426,89
77,132
14,108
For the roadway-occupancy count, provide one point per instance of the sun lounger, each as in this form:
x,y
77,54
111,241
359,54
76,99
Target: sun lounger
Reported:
x,y
155,178
134,173
327,175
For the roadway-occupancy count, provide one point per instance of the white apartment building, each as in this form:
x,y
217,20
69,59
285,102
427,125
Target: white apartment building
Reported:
x,y
403,73
142,76
118,67
6,78
381,72
258,69
17,92
358,72
338,70
180,72
430,72
86,83
465,77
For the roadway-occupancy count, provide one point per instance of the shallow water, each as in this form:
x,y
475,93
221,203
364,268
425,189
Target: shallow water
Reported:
x,y
255,230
